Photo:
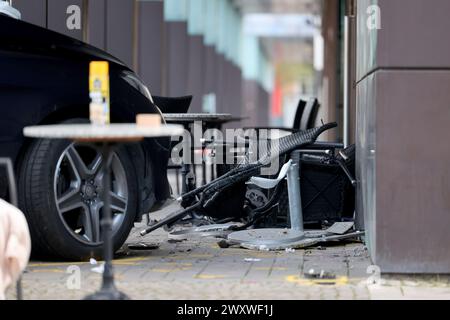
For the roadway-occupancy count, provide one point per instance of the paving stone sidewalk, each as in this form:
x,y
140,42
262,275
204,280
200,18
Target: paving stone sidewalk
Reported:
x,y
199,269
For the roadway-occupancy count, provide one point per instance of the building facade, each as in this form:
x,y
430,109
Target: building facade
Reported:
x,y
178,47
403,110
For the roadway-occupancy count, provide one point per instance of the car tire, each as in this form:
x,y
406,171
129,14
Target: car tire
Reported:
x,y
58,227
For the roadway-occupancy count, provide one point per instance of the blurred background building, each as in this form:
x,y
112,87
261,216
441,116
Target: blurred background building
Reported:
x,y
252,58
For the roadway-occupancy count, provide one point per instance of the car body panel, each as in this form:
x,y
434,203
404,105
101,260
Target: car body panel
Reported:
x,y
44,79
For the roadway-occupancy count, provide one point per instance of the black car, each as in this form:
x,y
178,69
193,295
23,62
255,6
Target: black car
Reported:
x,y
44,80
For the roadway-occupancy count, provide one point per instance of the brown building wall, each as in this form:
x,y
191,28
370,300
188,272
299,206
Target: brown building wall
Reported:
x,y
120,32
403,111
255,104
33,11
150,44
412,36
96,23
196,71
176,55
57,21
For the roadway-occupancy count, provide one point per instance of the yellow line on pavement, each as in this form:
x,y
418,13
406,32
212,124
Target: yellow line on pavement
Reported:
x,y
118,263
47,270
55,264
189,256
161,270
210,276
269,268
339,281
62,264
134,259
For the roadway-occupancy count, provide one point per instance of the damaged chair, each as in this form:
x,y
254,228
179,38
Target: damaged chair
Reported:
x,y
174,105
305,118
326,194
327,190
226,194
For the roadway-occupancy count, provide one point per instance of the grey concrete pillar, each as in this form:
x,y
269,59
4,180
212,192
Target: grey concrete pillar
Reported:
x,y
211,70
196,72
96,33
250,92
120,41
176,55
150,49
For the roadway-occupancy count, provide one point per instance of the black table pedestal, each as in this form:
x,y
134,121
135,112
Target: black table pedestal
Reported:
x,y
108,291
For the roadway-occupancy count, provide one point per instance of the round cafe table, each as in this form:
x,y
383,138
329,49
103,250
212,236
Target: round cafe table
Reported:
x,y
208,121
105,138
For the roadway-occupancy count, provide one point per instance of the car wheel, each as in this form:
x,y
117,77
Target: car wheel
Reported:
x,y
60,187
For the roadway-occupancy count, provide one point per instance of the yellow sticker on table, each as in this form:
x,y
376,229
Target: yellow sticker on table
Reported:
x,y
99,109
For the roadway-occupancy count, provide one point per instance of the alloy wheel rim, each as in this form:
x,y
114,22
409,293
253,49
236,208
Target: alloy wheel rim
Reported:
x,y
78,187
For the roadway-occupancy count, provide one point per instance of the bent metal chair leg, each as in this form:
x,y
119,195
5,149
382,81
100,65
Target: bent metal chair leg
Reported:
x,y
295,202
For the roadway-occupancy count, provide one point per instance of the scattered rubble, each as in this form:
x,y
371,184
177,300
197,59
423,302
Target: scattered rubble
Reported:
x,y
143,246
252,260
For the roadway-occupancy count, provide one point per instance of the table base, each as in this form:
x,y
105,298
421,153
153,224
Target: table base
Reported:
x,y
108,290
107,295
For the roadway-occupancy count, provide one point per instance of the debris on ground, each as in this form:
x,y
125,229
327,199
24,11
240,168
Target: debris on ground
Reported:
x,y
340,228
174,241
252,260
309,241
312,274
143,246
322,277
224,244
209,230
100,269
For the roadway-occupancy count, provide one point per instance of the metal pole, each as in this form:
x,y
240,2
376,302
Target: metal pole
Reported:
x,y
203,167
108,280
187,156
346,81
177,180
295,203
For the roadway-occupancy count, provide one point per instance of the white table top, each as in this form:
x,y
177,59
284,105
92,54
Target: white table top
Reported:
x,y
111,132
204,117
197,115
